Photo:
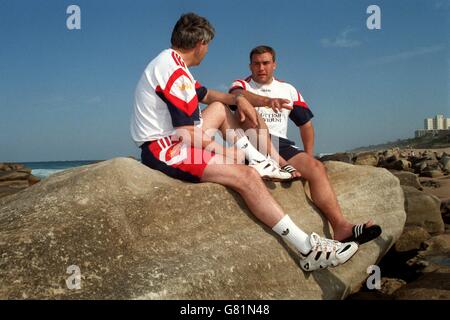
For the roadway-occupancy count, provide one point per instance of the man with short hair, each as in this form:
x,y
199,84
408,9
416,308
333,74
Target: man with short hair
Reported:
x,y
170,129
272,99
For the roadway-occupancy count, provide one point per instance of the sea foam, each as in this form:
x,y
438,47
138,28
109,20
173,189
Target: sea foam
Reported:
x,y
44,173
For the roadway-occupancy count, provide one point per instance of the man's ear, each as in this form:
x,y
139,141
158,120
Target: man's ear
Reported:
x,y
274,65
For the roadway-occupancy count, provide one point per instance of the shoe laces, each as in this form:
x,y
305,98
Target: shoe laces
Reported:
x,y
327,245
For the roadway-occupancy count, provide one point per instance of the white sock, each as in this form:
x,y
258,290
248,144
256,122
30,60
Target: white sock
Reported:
x,y
293,234
251,154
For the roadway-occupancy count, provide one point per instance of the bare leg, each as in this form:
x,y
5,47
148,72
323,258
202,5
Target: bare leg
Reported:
x,y
315,173
263,141
255,194
323,194
217,116
247,182
258,199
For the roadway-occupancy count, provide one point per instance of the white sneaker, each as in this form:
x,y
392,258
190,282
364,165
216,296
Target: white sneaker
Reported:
x,y
326,252
268,169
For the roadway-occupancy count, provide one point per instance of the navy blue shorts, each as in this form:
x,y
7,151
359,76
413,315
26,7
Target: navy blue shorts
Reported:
x,y
286,148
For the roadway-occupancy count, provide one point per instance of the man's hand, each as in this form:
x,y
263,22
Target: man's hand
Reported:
x,y
246,111
277,104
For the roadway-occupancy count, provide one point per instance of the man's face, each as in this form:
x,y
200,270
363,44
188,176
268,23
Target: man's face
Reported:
x,y
262,67
200,51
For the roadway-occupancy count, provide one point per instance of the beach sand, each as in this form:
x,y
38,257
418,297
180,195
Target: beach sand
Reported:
x,y
417,151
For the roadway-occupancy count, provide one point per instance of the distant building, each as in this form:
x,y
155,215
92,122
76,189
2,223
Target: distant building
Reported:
x,y
447,123
428,124
438,122
419,133
433,125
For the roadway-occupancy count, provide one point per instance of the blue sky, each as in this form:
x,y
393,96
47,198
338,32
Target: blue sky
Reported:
x,y
67,95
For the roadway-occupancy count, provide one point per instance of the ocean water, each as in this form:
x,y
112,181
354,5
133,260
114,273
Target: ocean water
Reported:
x,y
43,170
322,154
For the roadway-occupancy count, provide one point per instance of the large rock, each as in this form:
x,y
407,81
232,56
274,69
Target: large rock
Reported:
x,y
430,286
423,210
431,173
401,164
445,211
342,157
11,167
419,166
439,187
15,177
407,179
411,239
435,253
21,184
445,162
389,286
438,245
367,159
7,190
135,233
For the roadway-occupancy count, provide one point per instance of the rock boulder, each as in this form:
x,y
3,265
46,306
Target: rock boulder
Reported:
x,y
134,233
423,210
15,177
367,159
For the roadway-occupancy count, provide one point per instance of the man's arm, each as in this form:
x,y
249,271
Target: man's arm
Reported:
x,y
213,95
307,135
245,109
261,101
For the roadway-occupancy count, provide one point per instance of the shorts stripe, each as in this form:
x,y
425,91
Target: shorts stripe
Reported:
x,y
190,167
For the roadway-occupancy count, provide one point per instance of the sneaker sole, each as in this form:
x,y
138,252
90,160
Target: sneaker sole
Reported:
x,y
268,178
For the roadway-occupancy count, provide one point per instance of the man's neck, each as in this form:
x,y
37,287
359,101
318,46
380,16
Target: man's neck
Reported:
x,y
186,55
263,84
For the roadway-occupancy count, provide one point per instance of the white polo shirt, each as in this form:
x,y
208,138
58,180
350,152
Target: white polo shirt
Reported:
x,y
277,122
166,97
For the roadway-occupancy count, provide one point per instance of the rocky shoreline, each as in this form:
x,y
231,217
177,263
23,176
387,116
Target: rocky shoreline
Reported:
x,y
418,265
15,177
134,233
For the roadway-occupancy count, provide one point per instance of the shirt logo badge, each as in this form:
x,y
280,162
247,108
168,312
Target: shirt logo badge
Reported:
x,y
185,87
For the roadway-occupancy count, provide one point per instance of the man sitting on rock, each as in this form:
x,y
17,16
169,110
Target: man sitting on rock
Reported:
x,y
170,129
269,96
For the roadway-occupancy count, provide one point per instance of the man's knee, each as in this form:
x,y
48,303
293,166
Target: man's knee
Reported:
x,y
247,176
217,106
318,165
252,174
311,164
215,110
